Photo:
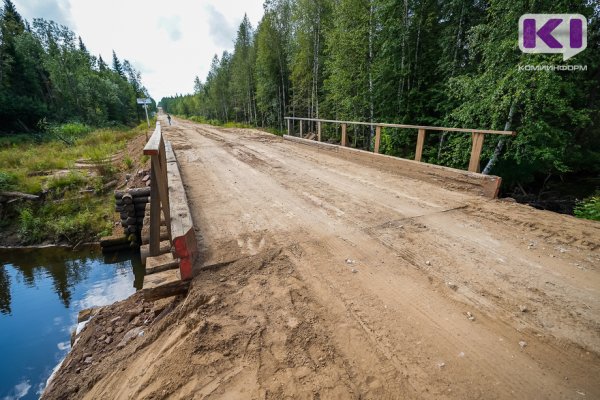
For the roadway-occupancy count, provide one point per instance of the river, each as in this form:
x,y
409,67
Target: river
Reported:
x,y
41,293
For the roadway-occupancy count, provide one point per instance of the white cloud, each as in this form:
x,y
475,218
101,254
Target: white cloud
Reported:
x,y
171,26
55,10
221,31
62,346
19,391
170,55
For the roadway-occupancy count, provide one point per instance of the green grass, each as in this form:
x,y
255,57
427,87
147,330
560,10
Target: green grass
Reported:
x,y
67,213
70,221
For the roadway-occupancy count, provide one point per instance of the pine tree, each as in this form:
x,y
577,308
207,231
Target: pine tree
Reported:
x,y
242,74
101,64
116,65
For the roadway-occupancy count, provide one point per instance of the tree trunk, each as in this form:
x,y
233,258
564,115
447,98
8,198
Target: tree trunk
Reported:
x,y
500,145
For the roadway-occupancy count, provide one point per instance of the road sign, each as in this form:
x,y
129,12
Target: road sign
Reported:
x,y
144,101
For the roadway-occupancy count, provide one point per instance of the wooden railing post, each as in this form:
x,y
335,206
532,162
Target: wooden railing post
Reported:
x,y
476,147
289,127
420,141
154,241
319,131
344,135
301,134
377,139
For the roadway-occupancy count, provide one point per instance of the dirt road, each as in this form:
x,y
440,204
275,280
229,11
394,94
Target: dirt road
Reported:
x,y
355,283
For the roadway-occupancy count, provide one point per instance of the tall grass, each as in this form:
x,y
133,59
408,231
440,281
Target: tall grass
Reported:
x,y
49,169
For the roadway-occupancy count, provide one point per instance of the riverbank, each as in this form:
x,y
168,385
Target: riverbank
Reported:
x,y
59,193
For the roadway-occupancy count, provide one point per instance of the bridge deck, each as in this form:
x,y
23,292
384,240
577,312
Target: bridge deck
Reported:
x,y
417,288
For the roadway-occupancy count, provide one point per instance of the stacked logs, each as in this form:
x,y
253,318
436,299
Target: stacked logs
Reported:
x,y
131,204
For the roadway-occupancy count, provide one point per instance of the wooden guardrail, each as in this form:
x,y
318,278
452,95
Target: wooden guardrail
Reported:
x,y
477,135
159,188
167,197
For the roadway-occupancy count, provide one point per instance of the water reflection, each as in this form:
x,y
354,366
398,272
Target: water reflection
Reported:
x,y
4,290
41,293
64,267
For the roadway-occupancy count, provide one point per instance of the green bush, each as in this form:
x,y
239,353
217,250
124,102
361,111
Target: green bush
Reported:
x,y
128,162
8,181
589,208
31,228
69,132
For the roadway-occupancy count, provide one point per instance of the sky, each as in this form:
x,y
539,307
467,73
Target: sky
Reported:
x,y
169,42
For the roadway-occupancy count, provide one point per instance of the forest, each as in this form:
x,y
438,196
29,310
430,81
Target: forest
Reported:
x,y
47,76
452,63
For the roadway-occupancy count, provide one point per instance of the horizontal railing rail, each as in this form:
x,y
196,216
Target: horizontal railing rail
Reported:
x,y
477,135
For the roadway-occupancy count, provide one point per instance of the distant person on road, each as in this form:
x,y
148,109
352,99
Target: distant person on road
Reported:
x,y
169,118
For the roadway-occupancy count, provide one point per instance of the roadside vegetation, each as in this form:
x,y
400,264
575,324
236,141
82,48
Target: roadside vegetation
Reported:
x,y
48,76
65,116
73,169
589,208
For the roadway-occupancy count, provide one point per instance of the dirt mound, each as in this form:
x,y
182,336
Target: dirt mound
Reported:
x,y
249,329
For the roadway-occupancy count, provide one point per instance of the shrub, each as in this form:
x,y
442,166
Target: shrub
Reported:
x,y
31,227
69,132
128,162
8,181
589,208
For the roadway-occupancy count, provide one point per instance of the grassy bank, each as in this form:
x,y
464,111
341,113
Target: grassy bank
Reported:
x,y
73,169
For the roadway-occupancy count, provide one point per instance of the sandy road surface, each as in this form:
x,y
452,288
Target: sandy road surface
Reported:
x,y
354,283
421,258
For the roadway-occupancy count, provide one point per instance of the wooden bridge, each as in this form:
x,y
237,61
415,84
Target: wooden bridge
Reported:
x,y
171,247
365,266
170,261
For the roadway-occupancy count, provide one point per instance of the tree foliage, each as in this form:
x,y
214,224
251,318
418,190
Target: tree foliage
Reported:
x,y
48,75
448,63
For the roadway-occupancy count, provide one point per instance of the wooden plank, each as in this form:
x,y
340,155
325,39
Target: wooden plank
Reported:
x,y
161,263
108,241
428,128
164,234
164,187
420,142
451,178
153,145
344,138
182,227
377,139
154,211
319,131
163,284
169,154
164,247
477,145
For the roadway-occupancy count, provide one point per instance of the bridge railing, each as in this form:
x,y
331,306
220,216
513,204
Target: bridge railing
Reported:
x,y
167,197
159,188
477,135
